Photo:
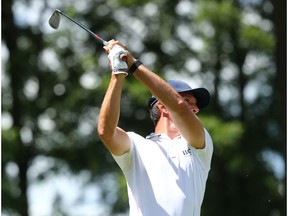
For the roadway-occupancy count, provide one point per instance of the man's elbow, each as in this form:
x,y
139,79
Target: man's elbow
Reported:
x,y
104,133
199,141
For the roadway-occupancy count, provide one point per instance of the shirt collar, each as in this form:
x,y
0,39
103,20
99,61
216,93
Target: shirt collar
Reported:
x,y
154,136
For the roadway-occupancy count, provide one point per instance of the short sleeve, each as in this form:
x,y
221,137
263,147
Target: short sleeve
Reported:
x,y
206,153
124,161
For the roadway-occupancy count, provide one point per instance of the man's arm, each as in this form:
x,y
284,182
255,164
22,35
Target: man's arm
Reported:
x,y
115,138
185,120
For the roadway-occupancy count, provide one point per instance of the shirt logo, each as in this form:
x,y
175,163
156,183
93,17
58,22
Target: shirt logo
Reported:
x,y
187,152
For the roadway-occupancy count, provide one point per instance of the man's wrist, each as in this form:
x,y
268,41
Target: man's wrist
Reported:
x,y
134,66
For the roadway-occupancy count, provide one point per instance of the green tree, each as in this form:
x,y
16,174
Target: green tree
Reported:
x,y
53,85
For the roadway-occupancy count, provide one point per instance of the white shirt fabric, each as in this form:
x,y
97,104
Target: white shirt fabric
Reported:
x,y
165,177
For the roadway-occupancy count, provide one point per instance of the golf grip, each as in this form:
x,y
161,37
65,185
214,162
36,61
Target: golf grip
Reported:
x,y
123,57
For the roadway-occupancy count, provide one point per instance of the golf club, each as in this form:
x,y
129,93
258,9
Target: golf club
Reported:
x,y
55,20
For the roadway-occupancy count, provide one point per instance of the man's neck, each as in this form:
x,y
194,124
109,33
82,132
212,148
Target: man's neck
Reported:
x,y
166,126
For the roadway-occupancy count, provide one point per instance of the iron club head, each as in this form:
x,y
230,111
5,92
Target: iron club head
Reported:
x,y
55,19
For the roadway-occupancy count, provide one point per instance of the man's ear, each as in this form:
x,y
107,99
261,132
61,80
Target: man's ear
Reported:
x,y
162,108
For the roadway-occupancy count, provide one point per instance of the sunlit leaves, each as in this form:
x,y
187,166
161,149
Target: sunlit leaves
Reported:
x,y
222,15
225,134
255,38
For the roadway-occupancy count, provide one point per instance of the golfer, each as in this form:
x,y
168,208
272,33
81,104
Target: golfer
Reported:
x,y
166,172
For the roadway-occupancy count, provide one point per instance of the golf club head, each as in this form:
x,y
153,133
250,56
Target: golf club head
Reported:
x,y
55,19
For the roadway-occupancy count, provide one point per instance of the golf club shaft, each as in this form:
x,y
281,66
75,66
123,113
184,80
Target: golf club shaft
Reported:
x,y
83,27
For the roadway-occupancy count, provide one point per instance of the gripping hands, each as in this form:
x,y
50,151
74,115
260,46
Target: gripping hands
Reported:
x,y
117,57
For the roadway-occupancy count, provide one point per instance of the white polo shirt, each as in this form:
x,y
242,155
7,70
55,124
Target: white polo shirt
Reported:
x,y
165,177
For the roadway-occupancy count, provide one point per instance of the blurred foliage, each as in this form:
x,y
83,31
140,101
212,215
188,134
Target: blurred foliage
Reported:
x,y
53,83
224,134
256,39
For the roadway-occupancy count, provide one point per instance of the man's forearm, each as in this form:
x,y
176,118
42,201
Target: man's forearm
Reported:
x,y
158,87
110,109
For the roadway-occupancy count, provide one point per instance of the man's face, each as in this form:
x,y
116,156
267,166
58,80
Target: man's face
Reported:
x,y
190,100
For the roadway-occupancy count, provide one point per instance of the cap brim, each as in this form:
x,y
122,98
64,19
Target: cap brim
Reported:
x,y
202,96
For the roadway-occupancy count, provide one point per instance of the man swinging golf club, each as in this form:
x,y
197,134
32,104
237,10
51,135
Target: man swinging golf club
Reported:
x,y
166,172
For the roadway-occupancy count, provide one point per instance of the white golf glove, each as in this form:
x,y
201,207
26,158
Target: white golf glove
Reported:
x,y
118,66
